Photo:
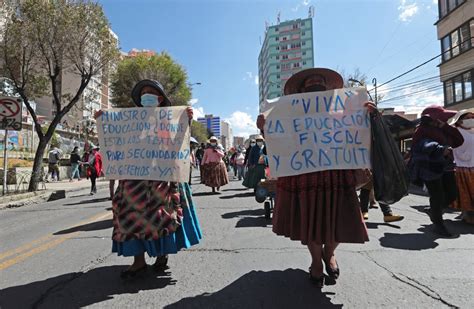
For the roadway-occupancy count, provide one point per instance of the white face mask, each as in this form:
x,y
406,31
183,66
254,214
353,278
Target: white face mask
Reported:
x,y
149,100
468,123
252,144
213,144
260,144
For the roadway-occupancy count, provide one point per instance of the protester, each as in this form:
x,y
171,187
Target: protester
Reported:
x,y
94,167
54,157
140,218
232,161
75,160
320,209
239,163
111,189
464,158
215,171
257,162
192,158
365,192
432,162
247,151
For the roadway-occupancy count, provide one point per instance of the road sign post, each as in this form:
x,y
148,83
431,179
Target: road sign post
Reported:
x,y
10,119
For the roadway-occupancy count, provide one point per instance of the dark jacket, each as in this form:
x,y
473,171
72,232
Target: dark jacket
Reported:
x,y
255,153
75,158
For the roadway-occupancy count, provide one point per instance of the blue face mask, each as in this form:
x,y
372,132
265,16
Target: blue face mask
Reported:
x,y
149,100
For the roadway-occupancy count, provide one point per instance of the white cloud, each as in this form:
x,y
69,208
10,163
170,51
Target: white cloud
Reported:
x,y
296,8
407,11
256,80
435,1
193,101
242,124
306,2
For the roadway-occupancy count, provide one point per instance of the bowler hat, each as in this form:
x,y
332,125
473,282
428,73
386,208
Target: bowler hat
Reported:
x,y
437,112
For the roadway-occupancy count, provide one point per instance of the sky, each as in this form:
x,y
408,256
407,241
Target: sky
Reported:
x,y
218,42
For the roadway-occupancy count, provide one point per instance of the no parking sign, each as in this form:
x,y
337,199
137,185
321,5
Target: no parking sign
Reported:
x,y
10,113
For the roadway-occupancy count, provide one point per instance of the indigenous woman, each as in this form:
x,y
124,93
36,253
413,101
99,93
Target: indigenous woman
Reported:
x,y
464,159
320,209
432,161
214,168
257,162
156,217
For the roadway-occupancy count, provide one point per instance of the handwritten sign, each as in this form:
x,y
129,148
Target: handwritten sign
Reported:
x,y
317,131
10,113
145,143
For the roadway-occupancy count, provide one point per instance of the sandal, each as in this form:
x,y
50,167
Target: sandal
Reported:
x,y
333,274
161,263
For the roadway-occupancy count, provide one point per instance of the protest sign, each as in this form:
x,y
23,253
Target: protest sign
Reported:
x,y
145,143
317,131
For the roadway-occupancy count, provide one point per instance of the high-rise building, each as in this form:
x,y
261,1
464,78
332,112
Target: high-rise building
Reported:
x,y
212,124
287,49
456,33
238,141
226,135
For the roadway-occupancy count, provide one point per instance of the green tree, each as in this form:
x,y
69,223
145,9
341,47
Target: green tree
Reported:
x,y
159,67
41,41
199,131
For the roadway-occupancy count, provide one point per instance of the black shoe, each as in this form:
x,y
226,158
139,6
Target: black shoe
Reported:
x,y
442,231
129,274
317,281
161,263
333,274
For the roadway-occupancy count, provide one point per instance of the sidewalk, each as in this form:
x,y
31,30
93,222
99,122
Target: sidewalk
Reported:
x,y
26,198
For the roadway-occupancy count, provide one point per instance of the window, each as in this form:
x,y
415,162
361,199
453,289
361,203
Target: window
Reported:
x,y
278,67
302,23
464,37
303,43
448,93
303,33
296,65
458,88
304,53
446,6
455,43
467,85
284,57
278,75
472,32
304,62
276,29
276,38
446,46
295,26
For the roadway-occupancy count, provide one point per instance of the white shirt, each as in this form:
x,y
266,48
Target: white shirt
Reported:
x,y
464,154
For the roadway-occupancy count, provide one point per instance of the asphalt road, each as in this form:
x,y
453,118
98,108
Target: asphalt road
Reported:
x,y
58,255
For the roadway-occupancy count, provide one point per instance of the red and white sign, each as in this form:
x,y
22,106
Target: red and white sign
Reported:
x,y
10,113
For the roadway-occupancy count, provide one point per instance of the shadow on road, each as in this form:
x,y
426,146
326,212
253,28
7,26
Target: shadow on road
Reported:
x,y
240,189
258,289
94,226
89,201
426,239
78,289
253,212
249,218
375,225
246,194
206,193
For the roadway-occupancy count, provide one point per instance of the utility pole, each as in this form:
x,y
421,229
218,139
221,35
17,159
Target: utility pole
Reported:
x,y
374,82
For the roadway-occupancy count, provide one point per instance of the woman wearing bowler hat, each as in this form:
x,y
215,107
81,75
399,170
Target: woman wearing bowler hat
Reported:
x,y
213,167
320,209
156,217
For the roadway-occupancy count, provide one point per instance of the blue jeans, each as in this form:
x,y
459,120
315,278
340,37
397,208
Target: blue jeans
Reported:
x,y
75,170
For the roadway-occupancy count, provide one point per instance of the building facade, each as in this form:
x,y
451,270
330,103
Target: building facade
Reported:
x,y
238,141
456,34
287,49
212,124
226,135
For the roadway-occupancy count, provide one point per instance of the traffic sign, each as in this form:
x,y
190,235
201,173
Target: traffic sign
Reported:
x,y
10,113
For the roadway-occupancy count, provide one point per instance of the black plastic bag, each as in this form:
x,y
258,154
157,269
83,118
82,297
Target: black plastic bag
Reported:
x,y
388,168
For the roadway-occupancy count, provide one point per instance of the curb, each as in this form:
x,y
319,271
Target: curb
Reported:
x,y
29,198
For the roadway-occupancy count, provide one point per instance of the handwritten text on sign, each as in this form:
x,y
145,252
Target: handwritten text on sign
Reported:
x,y
145,143
317,131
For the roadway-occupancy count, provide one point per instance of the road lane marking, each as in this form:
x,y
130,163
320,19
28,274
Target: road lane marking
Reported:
x,y
44,242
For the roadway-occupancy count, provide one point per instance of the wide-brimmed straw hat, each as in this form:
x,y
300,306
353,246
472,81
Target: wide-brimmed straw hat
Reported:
x,y
213,138
295,82
460,114
137,90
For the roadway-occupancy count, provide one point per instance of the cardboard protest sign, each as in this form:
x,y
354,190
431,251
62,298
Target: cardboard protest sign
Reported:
x,y
317,131
145,143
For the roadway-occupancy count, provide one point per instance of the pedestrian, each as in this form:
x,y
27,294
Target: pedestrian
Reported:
x,y
247,151
432,162
215,175
257,163
239,163
75,160
94,167
156,217
365,200
320,209
464,158
54,156
192,157
111,189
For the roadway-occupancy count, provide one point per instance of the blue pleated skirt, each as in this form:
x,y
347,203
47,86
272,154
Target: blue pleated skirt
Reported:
x,y
187,235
